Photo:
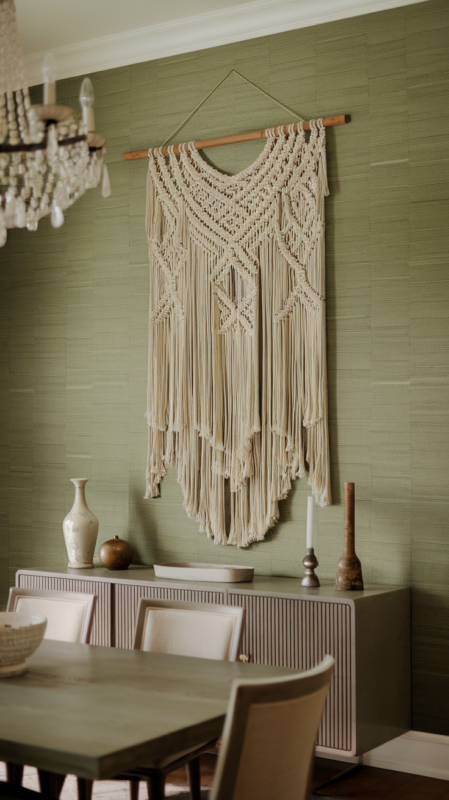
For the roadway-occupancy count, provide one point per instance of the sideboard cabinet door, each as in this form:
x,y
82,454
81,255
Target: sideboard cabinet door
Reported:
x,y
298,634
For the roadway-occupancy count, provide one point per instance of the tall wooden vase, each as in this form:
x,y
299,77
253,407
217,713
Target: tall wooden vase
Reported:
x,y
80,530
349,569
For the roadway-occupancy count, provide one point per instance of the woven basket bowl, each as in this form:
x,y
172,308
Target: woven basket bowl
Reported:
x,y
20,635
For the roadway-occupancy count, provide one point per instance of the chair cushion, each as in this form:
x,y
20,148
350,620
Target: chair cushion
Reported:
x,y
64,617
188,633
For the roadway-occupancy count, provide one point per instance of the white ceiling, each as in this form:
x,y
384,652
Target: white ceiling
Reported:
x,y
92,35
78,20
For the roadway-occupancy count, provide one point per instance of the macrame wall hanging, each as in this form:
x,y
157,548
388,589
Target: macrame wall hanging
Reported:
x,y
237,387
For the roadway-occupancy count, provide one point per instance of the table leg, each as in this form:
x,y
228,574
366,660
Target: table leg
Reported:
x,y
14,773
156,786
193,771
134,790
51,783
85,787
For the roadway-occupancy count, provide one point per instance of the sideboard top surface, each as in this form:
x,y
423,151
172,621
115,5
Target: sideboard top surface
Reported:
x,y
261,584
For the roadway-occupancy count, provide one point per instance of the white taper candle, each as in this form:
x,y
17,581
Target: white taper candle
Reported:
x,y
49,76
310,502
50,93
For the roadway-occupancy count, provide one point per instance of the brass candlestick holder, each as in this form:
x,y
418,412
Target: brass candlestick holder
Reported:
x,y
310,580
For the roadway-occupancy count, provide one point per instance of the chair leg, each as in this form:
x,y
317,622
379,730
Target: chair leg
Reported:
x,y
156,786
193,771
134,790
50,783
14,773
85,787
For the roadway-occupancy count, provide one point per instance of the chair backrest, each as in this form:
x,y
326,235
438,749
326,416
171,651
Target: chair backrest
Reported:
x,y
269,736
69,614
202,630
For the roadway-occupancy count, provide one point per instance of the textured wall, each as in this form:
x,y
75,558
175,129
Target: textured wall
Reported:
x,y
74,310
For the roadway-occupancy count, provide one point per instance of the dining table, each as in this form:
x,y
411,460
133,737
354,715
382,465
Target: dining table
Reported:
x,y
96,712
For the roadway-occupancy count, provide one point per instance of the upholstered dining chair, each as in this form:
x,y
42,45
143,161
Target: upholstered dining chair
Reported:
x,y
183,629
69,619
269,736
189,629
69,614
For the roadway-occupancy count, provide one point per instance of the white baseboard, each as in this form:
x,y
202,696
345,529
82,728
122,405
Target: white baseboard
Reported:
x,y
414,752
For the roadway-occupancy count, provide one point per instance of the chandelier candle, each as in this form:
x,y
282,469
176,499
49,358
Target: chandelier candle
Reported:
x,y
49,75
87,100
310,562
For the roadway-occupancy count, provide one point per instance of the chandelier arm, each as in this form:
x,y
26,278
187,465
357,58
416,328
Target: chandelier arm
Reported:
x,y
29,148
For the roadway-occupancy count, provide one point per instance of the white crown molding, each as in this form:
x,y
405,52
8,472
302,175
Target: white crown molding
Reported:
x,y
248,21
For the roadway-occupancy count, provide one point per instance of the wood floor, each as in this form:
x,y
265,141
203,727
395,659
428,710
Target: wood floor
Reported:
x,y
365,783
377,784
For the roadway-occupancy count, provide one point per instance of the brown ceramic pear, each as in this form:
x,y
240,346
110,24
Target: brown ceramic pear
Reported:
x,y
349,569
115,554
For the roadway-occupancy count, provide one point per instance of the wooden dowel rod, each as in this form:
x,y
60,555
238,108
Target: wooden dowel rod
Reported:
x,y
250,136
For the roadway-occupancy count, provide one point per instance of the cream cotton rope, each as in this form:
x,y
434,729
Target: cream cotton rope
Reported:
x,y
237,385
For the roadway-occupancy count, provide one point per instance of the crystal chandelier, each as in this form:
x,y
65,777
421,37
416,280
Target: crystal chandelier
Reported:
x,y
48,157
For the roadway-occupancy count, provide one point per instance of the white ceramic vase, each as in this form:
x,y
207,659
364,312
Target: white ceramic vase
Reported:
x,y
80,529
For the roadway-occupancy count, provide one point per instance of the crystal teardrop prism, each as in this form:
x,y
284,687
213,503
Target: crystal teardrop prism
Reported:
x,y
57,217
106,190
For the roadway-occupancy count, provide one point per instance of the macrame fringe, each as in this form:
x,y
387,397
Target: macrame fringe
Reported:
x,y
237,386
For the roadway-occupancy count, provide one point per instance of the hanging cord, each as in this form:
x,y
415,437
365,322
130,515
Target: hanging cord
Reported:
x,y
286,108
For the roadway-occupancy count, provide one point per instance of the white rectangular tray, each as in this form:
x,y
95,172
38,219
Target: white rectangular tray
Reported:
x,y
190,571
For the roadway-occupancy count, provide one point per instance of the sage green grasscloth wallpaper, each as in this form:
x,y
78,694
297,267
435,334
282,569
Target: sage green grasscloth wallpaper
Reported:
x,y
74,315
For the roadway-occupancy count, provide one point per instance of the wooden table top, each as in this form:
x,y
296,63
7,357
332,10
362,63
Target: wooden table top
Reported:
x,y
97,711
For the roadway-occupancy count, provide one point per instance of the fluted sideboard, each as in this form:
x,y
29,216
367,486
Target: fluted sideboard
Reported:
x,y
368,633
